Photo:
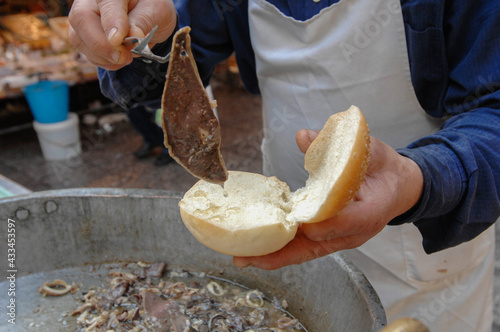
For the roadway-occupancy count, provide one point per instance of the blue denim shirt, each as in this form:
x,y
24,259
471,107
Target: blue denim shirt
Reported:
x,y
454,54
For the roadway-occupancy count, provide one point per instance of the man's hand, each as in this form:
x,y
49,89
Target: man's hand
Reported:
x,y
392,186
98,27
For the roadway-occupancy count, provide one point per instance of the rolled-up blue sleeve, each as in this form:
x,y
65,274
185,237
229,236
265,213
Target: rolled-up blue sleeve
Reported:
x,y
461,162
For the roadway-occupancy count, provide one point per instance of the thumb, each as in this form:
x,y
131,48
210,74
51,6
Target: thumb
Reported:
x,y
304,138
145,15
114,19
137,31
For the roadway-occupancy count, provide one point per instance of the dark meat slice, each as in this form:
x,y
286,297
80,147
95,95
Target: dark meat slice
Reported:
x,y
109,297
163,313
153,271
192,132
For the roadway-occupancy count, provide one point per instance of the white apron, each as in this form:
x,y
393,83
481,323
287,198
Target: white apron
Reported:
x,y
354,53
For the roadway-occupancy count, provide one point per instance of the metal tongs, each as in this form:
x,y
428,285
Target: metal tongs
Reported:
x,y
142,48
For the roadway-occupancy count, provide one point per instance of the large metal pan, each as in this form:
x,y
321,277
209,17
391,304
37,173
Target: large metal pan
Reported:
x,y
72,234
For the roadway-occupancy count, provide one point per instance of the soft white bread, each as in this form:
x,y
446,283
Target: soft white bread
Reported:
x,y
336,162
246,217
254,215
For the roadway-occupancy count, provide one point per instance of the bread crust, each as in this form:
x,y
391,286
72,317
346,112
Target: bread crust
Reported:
x,y
257,241
353,175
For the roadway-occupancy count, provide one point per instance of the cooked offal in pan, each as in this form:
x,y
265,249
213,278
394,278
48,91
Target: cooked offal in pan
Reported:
x,y
142,297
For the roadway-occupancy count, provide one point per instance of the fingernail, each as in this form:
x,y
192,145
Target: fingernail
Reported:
x,y
115,56
112,33
312,134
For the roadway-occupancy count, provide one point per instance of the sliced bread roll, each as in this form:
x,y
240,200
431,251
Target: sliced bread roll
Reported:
x,y
253,215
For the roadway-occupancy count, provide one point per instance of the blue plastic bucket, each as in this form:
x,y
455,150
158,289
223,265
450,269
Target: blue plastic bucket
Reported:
x,y
48,101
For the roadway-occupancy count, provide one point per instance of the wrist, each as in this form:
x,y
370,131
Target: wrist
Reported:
x,y
411,185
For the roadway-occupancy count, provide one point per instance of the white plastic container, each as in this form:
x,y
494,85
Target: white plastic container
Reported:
x,y
59,140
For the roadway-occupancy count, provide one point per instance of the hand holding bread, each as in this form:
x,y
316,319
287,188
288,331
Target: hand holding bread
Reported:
x,y
393,185
253,215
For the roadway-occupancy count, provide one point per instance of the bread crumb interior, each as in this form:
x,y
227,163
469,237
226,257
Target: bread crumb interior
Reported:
x,y
245,200
325,161
250,200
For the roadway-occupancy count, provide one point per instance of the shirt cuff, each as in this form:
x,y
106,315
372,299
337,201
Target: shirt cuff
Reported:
x,y
418,210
